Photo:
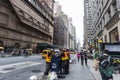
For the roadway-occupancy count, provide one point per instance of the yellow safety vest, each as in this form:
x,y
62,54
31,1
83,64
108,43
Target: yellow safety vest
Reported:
x,y
48,58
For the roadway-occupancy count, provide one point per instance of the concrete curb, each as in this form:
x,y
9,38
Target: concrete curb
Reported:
x,y
95,74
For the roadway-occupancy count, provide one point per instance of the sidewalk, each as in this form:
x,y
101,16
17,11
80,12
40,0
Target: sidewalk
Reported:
x,y
97,75
79,72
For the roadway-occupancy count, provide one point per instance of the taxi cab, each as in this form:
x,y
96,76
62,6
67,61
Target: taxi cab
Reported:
x,y
72,52
44,52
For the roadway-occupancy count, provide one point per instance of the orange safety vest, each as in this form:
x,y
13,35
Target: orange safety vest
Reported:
x,y
48,58
68,55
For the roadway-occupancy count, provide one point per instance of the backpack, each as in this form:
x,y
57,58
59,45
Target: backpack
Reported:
x,y
105,63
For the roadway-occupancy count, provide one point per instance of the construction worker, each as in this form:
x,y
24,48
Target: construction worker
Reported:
x,y
48,62
64,60
67,61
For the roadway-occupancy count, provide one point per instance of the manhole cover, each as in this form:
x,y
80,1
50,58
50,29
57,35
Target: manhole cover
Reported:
x,y
36,71
10,68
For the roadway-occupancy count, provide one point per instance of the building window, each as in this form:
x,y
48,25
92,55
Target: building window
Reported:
x,y
103,21
102,3
109,13
114,37
1,43
114,5
32,1
105,38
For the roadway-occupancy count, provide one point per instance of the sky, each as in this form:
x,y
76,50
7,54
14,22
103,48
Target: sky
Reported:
x,y
74,9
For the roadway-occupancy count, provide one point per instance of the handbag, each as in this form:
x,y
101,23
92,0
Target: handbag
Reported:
x,y
106,68
105,63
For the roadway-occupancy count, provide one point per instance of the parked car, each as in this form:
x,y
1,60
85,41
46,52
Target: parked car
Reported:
x,y
72,52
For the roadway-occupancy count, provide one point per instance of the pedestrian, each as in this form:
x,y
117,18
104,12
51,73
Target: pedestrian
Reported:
x,y
78,56
64,61
105,65
95,56
85,57
54,62
61,65
48,62
2,53
54,67
82,57
67,61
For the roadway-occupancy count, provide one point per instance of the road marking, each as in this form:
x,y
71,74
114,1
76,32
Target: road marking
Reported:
x,y
17,66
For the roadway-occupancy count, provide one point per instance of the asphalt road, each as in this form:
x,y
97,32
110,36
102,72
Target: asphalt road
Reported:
x,y
21,68
16,59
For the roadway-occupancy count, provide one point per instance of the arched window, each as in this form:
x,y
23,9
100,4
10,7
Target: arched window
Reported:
x,y
1,43
17,45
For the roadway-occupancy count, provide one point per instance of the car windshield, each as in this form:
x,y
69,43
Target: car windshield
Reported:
x,y
44,52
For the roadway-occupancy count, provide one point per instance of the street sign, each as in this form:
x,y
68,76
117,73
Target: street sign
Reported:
x,y
100,41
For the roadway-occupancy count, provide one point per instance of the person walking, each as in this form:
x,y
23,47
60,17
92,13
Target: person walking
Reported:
x,y
95,56
2,53
78,56
105,65
82,57
85,57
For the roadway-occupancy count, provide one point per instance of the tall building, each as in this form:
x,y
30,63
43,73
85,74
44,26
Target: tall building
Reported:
x,y
61,33
72,35
26,22
106,21
87,23
66,30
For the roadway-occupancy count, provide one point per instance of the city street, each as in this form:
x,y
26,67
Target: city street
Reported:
x,y
21,68
31,30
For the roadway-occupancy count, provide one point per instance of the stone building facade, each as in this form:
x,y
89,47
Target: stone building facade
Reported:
x,y
105,21
26,22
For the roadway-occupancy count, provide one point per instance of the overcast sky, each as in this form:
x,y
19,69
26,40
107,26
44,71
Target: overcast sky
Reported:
x,y
74,9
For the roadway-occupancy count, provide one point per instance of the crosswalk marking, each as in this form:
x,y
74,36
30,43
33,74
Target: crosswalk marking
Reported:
x,y
17,66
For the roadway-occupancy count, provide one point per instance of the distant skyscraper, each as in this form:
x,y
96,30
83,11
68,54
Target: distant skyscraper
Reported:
x,y
67,29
